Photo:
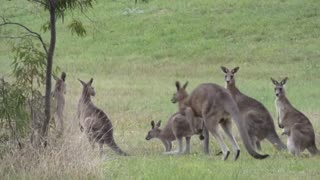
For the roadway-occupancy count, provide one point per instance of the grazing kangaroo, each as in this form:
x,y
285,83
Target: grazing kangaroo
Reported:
x,y
294,123
258,120
94,121
177,127
214,104
58,95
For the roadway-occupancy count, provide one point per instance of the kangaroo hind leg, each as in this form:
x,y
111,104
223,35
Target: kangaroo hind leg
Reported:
x,y
212,125
180,148
227,127
274,139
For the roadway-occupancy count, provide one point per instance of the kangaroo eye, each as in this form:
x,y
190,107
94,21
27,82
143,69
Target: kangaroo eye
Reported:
x,y
231,76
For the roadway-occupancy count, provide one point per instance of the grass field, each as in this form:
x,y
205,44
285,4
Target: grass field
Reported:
x,y
135,53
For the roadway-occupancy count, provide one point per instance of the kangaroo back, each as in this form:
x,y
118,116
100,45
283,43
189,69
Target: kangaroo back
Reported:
x,y
213,102
96,123
231,107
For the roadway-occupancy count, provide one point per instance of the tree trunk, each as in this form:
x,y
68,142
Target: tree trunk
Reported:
x,y
52,8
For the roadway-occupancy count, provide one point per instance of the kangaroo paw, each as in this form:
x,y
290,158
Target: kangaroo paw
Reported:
x,y
172,153
201,137
236,156
226,156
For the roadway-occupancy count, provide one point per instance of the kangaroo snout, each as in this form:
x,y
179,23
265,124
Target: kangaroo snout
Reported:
x,y
281,126
148,137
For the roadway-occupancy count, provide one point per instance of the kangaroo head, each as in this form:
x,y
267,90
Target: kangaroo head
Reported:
x,y
60,84
229,75
63,76
154,131
181,93
279,87
87,87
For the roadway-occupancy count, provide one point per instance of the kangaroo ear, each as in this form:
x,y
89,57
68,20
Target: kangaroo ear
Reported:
x,y
83,83
274,82
178,85
159,123
185,85
284,81
91,80
224,69
63,76
234,70
152,124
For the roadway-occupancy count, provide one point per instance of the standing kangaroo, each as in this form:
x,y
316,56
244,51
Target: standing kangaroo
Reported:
x,y
196,123
177,127
94,121
294,123
58,95
214,104
258,120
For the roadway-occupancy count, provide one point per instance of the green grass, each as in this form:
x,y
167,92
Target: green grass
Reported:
x,y
204,167
135,58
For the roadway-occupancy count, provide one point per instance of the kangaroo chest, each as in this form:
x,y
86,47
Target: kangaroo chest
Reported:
x,y
281,111
84,111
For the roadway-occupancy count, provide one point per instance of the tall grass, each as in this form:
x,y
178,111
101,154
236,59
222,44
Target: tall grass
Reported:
x,y
68,158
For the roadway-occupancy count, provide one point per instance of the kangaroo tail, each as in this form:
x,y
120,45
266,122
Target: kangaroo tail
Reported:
x,y
232,108
314,150
274,139
112,144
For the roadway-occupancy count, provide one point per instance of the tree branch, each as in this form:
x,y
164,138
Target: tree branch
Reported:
x,y
35,34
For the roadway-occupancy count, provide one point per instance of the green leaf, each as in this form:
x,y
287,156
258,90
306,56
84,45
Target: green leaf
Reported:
x,y
45,27
77,27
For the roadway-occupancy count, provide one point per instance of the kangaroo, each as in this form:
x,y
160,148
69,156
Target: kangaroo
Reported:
x,y
258,120
294,123
196,124
94,121
59,100
177,127
214,104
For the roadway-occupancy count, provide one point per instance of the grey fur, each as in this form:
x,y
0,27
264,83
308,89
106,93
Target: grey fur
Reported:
x,y
196,123
59,102
94,121
295,124
177,127
215,104
258,121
